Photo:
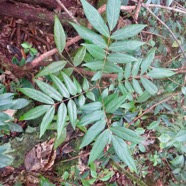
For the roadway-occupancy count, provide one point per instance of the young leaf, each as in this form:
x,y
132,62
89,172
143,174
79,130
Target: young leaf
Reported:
x,y
99,145
85,84
49,90
69,84
59,35
36,95
47,119
60,86
123,153
79,56
127,134
128,31
160,73
112,12
114,104
61,118
95,18
35,112
121,58
72,112
52,68
147,61
125,46
91,117
89,35
137,86
149,86
92,106
96,51
92,133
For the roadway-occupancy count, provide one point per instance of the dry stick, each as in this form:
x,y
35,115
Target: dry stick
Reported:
x,y
66,10
137,10
166,27
149,109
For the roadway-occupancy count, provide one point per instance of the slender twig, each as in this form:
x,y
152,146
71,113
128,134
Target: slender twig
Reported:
x,y
167,29
66,10
153,106
138,8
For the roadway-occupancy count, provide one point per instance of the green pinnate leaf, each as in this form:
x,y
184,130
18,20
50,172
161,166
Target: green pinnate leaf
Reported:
x,y
92,133
100,143
69,84
148,60
123,153
72,112
49,90
61,119
112,12
52,68
150,87
128,31
35,112
47,119
59,35
95,18
36,95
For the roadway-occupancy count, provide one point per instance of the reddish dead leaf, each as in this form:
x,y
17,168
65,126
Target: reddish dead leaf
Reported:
x,y
41,157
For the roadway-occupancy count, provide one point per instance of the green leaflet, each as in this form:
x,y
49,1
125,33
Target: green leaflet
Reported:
x,y
91,117
102,140
19,103
59,35
128,31
47,119
160,73
85,85
36,95
92,132
78,59
78,86
147,61
72,112
181,136
135,69
149,86
97,76
123,153
61,119
125,46
60,86
90,95
69,84
121,58
81,100
143,97
127,72
108,68
49,90
96,51
35,112
112,12
52,68
127,134
89,35
114,104
92,106
95,18
137,86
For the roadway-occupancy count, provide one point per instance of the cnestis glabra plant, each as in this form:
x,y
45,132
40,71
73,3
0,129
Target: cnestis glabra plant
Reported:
x,y
101,110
